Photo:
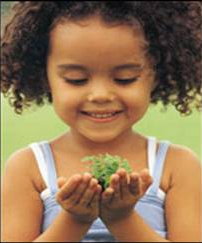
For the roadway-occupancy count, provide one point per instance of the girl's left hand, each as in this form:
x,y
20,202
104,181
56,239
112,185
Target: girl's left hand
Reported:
x,y
124,191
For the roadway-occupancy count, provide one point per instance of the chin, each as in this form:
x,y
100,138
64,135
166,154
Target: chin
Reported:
x,y
101,138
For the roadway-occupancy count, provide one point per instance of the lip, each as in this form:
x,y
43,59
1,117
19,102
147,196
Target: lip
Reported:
x,y
101,111
114,115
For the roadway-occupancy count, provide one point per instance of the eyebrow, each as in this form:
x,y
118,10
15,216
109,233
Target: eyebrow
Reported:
x,y
129,66
72,66
79,67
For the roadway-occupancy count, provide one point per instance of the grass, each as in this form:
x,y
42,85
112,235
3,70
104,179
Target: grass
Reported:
x,y
42,124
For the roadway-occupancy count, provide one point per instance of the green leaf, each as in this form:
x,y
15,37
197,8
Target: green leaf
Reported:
x,y
102,166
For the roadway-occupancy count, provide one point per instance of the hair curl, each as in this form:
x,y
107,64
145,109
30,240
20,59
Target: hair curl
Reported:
x,y
172,28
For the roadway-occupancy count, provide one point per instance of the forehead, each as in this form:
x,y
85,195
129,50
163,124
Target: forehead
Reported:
x,y
93,37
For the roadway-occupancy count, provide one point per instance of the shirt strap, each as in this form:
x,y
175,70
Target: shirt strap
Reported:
x,y
46,164
151,154
159,166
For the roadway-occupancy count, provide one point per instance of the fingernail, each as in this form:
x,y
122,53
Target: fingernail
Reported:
x,y
94,181
87,174
77,178
109,191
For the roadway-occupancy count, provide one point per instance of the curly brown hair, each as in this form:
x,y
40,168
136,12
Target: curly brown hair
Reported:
x,y
172,28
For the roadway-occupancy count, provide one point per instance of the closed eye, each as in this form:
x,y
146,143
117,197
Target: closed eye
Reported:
x,y
84,81
76,81
126,80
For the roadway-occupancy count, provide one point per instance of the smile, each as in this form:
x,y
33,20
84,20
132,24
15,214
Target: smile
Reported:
x,y
102,116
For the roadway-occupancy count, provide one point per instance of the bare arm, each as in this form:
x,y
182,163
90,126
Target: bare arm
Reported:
x,y
183,203
22,207
134,229
64,229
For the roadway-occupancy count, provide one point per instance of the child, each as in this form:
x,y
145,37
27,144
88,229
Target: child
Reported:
x,y
101,63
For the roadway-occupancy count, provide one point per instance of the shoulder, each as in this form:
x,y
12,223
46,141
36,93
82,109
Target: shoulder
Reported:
x,y
22,166
20,158
182,155
183,163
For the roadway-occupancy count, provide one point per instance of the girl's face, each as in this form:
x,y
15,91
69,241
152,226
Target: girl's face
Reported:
x,y
100,77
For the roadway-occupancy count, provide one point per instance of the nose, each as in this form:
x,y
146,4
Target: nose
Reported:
x,y
101,93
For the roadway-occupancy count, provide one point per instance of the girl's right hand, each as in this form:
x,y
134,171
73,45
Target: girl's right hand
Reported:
x,y
80,196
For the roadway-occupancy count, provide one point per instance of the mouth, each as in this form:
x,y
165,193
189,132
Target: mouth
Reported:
x,y
102,116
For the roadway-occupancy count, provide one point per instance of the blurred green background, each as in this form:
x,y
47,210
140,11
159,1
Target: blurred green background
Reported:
x,y
42,123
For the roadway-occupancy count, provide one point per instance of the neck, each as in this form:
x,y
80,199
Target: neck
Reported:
x,y
116,146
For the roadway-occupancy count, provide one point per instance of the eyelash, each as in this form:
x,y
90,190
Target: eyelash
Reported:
x,y
119,81
76,81
126,81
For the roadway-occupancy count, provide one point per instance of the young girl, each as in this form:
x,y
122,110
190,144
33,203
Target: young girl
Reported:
x,y
101,63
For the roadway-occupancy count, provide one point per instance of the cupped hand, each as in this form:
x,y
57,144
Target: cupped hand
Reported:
x,y
79,196
119,199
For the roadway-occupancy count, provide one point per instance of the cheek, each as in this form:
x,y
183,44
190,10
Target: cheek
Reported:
x,y
137,98
65,103
137,102
62,93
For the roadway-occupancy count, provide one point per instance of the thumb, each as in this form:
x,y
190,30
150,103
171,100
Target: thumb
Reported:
x,y
146,179
61,181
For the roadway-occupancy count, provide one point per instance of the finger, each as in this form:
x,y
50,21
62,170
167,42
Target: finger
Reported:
x,y
123,182
107,195
134,185
146,179
115,184
87,176
81,188
89,193
96,197
68,188
61,181
144,171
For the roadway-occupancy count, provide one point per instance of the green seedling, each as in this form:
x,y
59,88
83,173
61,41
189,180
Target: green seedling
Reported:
x,y
102,166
